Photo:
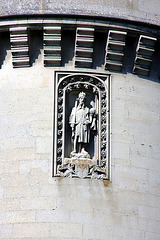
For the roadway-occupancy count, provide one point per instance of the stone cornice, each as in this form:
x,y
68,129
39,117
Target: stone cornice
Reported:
x,y
103,45
141,11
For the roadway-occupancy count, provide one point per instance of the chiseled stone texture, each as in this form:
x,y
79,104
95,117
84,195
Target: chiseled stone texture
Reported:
x,y
134,10
35,206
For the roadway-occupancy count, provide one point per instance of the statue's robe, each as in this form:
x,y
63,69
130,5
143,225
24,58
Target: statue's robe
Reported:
x,y
79,118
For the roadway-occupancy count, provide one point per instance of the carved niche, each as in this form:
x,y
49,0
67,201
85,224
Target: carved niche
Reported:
x,y
81,125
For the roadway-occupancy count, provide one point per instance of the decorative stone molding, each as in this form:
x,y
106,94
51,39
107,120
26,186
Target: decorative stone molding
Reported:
x,y
67,87
52,46
19,47
115,50
88,38
84,47
144,53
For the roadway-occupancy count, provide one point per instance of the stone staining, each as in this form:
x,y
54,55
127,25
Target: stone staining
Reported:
x,y
81,147
84,47
19,47
52,46
115,50
144,53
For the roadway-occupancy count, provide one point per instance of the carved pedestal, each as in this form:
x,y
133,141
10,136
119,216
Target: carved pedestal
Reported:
x,y
82,168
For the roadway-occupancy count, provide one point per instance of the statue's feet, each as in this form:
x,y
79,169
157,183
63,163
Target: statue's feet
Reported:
x,y
83,151
82,154
73,153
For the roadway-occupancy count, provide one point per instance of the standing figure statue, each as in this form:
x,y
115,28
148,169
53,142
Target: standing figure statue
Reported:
x,y
82,120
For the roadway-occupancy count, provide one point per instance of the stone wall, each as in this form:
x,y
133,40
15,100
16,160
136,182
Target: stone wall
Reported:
x,y
33,204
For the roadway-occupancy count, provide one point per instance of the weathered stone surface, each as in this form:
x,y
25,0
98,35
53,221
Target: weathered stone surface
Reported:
x,y
13,217
37,230
33,204
144,11
6,231
130,200
1,193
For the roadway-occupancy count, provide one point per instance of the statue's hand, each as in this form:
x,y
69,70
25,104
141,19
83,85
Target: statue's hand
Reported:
x,y
72,126
86,122
73,133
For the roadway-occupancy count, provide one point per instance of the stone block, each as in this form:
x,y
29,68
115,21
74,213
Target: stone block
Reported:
x,y
33,203
151,235
149,212
97,232
122,135
49,190
154,199
36,177
140,150
128,178
82,204
1,192
129,209
54,216
135,222
13,217
140,103
120,149
43,165
152,140
132,234
73,203
9,204
44,145
14,179
138,126
30,230
142,114
118,112
17,142
153,182
144,162
120,161
1,168
43,124
42,132
118,125
10,167
125,183
154,225
21,191
126,197
6,231
155,153
132,172
30,238
92,217
56,189
17,154
26,166
65,229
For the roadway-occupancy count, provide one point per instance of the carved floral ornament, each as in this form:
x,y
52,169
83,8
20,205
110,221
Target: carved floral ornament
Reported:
x,y
81,127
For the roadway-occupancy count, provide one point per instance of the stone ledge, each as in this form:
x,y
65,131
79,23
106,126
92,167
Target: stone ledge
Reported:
x,y
142,11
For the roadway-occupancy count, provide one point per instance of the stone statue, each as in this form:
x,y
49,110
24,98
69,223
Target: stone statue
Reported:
x,y
82,120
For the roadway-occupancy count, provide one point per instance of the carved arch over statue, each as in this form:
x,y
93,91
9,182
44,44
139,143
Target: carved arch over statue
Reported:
x,y
95,87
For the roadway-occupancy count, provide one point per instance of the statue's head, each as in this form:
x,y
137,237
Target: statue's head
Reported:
x,y
82,97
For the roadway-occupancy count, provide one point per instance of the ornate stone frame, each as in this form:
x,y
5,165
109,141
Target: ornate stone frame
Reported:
x,y
98,84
